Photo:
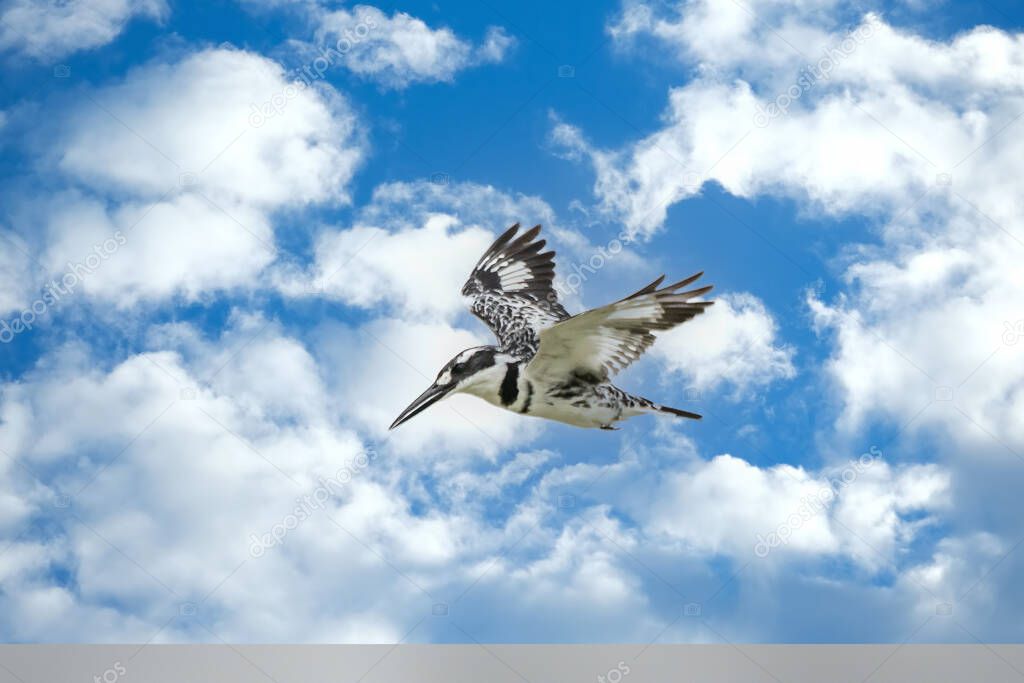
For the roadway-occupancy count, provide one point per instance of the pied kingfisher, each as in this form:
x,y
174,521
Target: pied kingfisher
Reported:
x,y
548,363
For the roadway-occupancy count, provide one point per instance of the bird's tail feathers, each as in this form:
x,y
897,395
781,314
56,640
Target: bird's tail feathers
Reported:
x,y
642,405
675,411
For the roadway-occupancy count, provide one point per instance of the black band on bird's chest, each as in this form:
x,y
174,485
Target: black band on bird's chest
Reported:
x,y
509,390
529,396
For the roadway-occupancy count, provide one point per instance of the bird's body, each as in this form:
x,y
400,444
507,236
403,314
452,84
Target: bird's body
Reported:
x,y
550,364
573,400
580,400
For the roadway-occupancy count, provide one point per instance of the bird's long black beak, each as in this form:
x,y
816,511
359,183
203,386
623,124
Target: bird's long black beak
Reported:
x,y
428,398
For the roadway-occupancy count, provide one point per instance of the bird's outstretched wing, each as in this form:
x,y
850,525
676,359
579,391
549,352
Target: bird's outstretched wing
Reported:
x,y
596,344
512,290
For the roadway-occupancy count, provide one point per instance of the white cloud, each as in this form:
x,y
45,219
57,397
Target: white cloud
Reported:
x,y
411,203
768,39
179,482
398,359
915,134
467,487
176,163
921,138
263,412
418,271
399,50
734,342
865,510
496,45
858,136
183,479
932,338
413,245
582,566
50,30
14,269
183,246
165,501
191,124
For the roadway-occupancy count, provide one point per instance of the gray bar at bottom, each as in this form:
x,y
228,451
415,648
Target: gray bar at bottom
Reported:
x,y
511,663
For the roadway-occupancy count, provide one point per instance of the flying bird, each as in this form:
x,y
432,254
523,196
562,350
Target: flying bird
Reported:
x,y
548,363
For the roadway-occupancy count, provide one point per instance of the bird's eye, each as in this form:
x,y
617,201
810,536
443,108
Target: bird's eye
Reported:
x,y
458,368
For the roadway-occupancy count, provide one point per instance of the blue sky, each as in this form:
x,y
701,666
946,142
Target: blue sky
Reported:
x,y
265,270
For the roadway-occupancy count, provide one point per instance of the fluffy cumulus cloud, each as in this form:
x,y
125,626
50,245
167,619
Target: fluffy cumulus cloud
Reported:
x,y
413,245
398,359
419,270
405,259
271,490
849,129
870,120
138,260
284,523
106,530
735,342
50,30
923,145
941,324
864,510
410,250
401,49
15,266
249,489
197,124
179,170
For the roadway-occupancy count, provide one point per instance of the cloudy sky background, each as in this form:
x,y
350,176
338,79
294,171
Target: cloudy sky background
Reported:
x,y
239,257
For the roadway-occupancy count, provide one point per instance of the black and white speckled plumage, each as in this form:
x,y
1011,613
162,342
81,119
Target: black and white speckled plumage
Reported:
x,y
604,340
564,362
513,292
547,363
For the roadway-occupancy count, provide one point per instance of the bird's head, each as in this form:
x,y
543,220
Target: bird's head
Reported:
x,y
473,370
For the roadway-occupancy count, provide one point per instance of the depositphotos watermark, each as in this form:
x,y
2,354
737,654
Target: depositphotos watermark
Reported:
x,y
1013,331
55,290
579,271
303,77
306,505
810,74
111,675
614,674
812,505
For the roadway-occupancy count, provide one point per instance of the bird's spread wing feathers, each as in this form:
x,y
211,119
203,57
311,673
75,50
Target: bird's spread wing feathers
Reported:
x,y
512,291
598,343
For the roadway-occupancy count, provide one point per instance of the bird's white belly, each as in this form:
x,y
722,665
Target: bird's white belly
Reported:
x,y
592,415
572,402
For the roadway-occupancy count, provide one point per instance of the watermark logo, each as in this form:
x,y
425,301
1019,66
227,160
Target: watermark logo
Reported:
x,y
811,74
812,505
1013,332
307,505
56,290
580,271
111,675
614,674
305,76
